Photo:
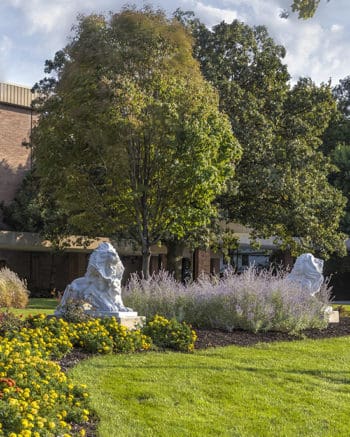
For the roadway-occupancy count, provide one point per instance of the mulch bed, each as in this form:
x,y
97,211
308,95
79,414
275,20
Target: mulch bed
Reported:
x,y
214,338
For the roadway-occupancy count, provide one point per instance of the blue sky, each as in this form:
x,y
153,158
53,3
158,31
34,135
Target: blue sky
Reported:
x,y
33,30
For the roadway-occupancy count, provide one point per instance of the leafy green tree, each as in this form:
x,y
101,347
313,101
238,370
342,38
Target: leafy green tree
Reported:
x,y
130,140
336,145
304,8
282,177
31,211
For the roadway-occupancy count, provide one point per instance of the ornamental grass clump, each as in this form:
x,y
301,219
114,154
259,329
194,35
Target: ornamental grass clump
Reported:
x,y
160,294
253,301
13,290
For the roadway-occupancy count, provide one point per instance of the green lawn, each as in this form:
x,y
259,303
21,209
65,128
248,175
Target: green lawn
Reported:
x,y
37,306
299,388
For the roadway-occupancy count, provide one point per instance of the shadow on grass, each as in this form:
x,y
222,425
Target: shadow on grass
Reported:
x,y
42,303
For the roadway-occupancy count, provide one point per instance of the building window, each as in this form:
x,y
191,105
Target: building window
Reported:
x,y
245,260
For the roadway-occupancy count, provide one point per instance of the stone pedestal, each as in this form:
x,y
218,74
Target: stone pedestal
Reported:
x,y
333,317
129,319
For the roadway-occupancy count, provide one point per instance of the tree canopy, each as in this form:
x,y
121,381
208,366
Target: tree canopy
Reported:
x,y
130,140
283,187
304,8
336,145
32,211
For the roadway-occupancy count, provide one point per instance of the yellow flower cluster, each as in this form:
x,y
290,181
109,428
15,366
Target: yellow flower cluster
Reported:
x,y
47,342
171,334
36,398
95,335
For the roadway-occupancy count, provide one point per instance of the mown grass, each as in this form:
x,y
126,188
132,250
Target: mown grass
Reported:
x,y
299,388
36,306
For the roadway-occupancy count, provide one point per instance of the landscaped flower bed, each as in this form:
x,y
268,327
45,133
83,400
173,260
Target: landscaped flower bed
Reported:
x,y
36,397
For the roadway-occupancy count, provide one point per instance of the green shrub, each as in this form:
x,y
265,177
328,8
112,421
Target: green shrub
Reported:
x,y
170,334
125,340
13,290
74,311
50,338
10,322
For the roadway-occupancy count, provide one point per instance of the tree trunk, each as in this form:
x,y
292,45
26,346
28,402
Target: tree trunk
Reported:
x,y
174,258
146,261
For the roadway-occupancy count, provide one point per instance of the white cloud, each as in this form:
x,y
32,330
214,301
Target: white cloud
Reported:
x,y
318,48
336,28
5,45
209,14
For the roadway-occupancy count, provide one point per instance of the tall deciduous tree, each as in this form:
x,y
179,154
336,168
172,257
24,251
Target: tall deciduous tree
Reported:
x,y
336,145
282,177
130,138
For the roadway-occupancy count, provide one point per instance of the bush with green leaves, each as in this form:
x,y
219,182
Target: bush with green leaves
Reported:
x,y
94,335
13,290
170,334
74,311
10,322
253,301
124,339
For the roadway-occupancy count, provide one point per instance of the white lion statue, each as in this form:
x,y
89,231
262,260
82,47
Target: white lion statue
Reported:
x,y
100,288
307,271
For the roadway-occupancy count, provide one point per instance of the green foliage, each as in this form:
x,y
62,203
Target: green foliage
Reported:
x,y
282,178
34,210
336,145
305,8
130,140
10,322
13,290
91,335
170,334
74,312
36,398
125,340
24,213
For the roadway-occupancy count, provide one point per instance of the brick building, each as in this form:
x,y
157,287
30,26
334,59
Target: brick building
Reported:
x,y
16,120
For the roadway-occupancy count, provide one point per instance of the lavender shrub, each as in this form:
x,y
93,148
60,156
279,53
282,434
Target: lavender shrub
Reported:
x,y
253,301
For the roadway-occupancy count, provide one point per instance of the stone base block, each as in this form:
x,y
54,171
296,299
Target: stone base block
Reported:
x,y
334,317
132,322
129,319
